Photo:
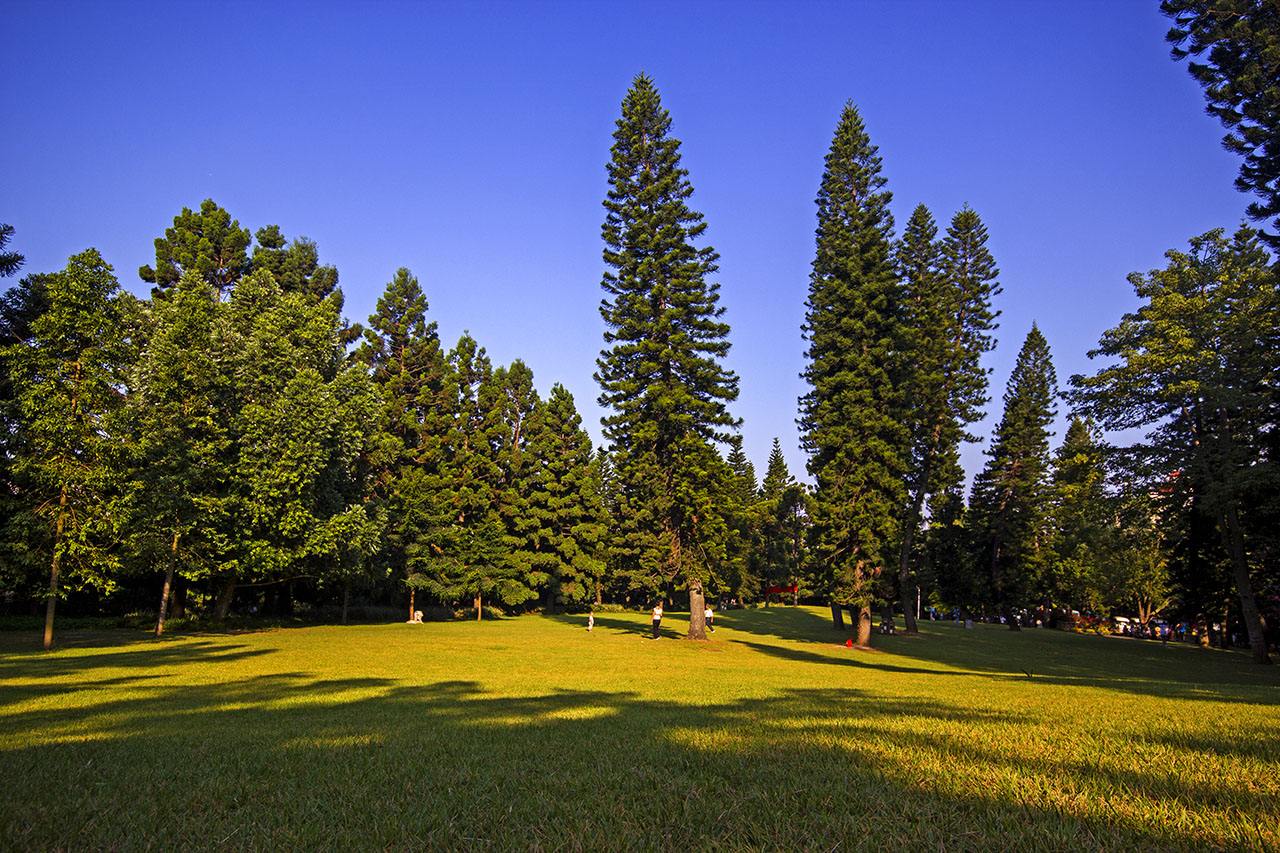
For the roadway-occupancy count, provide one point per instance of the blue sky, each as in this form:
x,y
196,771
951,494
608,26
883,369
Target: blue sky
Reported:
x,y
468,142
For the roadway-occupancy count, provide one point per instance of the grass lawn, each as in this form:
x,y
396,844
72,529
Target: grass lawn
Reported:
x,y
530,732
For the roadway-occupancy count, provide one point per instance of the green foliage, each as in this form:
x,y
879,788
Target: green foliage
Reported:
x,y
850,417
208,243
10,262
1195,365
402,353
660,373
1010,501
1241,81
564,502
66,378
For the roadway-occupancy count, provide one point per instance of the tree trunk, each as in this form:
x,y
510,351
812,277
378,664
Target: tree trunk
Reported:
x,y
412,593
479,608
178,599
599,601
225,596
697,612
54,567
864,628
837,617
346,599
1253,623
168,584
905,562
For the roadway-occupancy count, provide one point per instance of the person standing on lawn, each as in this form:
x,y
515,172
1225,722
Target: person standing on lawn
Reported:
x,y
657,619
711,619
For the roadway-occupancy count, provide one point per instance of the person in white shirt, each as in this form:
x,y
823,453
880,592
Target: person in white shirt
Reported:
x,y
711,619
657,619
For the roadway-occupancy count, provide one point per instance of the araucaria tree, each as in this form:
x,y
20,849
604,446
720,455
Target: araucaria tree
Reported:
x,y
1011,497
850,418
948,290
1196,365
1239,43
660,372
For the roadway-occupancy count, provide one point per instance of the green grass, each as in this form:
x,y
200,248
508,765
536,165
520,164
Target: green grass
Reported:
x,y
531,732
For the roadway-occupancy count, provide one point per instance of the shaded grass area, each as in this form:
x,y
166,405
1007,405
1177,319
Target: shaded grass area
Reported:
x,y
532,732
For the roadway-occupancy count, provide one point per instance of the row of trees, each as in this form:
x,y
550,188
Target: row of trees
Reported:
x,y
233,431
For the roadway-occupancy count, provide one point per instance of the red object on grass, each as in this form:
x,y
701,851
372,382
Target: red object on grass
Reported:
x,y
848,644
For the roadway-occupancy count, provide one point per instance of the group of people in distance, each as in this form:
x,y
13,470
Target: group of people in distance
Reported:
x,y
709,614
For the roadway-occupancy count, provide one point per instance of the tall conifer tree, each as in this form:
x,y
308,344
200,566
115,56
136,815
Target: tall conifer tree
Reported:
x,y
1010,503
949,287
403,354
850,417
660,373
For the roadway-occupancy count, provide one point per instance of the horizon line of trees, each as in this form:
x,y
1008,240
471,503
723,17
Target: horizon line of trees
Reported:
x,y
234,435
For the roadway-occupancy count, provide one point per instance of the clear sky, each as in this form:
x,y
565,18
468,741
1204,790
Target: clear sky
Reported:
x,y
468,143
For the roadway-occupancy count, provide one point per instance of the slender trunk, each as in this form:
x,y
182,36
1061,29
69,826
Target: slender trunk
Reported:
x,y
599,601
54,567
1253,623
864,627
412,593
168,584
225,596
479,609
346,599
908,546
837,616
697,612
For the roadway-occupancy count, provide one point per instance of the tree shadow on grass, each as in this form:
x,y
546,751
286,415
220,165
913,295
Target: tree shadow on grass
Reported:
x,y
669,629
290,760
1042,655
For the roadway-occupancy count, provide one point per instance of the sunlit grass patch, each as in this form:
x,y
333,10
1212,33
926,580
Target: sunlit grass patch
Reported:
x,y
532,732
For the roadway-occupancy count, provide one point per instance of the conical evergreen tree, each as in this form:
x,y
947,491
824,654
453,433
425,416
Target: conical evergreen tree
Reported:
x,y
949,287
776,476
403,355
1010,502
1081,522
849,418
660,373
564,499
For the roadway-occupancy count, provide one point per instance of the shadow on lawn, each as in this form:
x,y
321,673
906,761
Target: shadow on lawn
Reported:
x,y
287,759
1175,671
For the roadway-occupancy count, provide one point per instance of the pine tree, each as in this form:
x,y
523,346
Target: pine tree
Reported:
x,y
660,373
949,287
10,262
564,498
1010,502
403,355
295,265
1081,520
1241,81
776,476
467,557
209,243
850,417
66,379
